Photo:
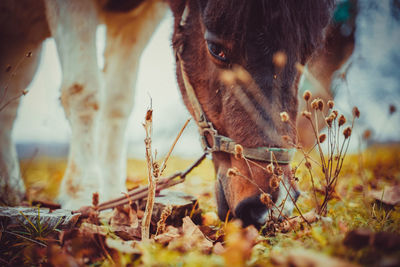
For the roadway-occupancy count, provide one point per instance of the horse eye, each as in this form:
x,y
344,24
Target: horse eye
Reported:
x,y
217,51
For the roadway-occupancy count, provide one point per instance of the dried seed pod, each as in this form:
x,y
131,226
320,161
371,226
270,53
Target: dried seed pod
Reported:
x,y
342,120
286,138
322,138
347,132
367,134
238,151
307,95
320,104
314,104
95,199
308,164
279,59
329,121
331,104
284,116
335,113
306,114
266,200
356,112
232,172
392,109
274,182
279,171
270,168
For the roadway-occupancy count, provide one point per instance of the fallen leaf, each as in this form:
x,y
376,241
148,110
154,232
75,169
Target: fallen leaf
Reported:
x,y
170,234
90,229
122,245
239,243
390,195
127,232
196,238
125,215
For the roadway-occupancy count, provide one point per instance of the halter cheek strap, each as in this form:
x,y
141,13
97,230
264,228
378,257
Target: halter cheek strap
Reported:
x,y
220,143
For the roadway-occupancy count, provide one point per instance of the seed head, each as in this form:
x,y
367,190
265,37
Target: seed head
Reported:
x,y
238,151
320,104
367,134
308,164
322,138
228,77
270,168
266,200
335,113
279,171
356,112
232,172
307,95
314,104
347,132
95,199
342,120
274,182
306,114
329,121
331,104
279,59
286,138
392,109
284,116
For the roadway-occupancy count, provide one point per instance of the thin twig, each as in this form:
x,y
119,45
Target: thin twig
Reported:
x,y
163,165
148,125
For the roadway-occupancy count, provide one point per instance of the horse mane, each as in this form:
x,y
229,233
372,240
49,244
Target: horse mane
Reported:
x,y
281,24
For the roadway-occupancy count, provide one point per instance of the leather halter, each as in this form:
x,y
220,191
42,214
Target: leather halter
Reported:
x,y
222,143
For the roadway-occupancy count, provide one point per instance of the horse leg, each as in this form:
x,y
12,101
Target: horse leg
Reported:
x,y
73,25
127,36
18,63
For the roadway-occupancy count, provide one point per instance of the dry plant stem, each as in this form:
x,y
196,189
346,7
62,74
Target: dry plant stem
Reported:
x,y
148,125
262,191
163,165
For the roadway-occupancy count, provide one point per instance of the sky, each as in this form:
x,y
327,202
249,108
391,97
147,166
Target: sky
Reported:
x,y
373,83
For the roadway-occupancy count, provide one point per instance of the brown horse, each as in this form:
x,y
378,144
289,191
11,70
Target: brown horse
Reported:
x,y
214,36
225,68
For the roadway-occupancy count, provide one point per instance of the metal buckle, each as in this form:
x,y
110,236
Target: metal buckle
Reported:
x,y
209,148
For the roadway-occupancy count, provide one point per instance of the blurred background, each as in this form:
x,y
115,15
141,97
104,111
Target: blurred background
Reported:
x,y
372,83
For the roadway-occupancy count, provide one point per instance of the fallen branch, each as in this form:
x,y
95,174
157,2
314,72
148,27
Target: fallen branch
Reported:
x,y
141,192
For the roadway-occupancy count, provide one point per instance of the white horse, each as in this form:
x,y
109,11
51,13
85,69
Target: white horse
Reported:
x,y
97,102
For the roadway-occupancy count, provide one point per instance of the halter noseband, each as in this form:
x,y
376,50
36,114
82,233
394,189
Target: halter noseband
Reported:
x,y
222,143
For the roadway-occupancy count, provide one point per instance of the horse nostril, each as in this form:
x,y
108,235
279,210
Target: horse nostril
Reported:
x,y
252,211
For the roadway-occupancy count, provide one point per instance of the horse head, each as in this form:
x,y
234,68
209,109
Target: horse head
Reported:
x,y
236,71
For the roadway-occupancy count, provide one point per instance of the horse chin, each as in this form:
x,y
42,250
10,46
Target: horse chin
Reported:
x,y
252,211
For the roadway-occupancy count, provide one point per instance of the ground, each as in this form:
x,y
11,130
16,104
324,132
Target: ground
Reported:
x,y
350,233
